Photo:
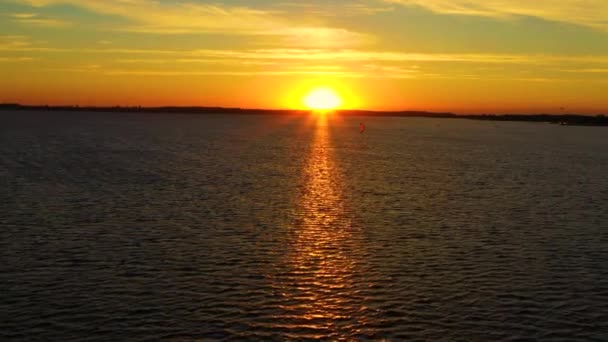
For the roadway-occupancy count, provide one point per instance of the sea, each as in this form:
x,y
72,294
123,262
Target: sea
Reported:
x,y
182,227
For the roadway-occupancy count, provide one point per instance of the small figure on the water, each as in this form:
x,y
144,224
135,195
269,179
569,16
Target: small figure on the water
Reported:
x,y
361,127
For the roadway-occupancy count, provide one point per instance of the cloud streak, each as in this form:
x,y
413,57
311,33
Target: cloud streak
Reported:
x,y
187,17
36,19
590,13
180,16
21,44
16,59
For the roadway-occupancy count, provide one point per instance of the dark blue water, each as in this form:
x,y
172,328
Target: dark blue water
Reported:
x,y
188,228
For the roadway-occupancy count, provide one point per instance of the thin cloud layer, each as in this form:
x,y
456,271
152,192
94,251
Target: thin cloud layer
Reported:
x,y
157,17
36,19
591,13
262,56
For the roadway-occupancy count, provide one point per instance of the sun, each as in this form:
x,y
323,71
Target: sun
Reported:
x,y
322,99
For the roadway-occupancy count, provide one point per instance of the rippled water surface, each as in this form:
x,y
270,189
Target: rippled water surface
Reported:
x,y
193,228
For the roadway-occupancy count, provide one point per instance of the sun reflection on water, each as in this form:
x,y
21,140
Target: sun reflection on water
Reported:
x,y
320,287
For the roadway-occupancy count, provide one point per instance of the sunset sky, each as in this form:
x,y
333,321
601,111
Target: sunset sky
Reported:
x,y
466,56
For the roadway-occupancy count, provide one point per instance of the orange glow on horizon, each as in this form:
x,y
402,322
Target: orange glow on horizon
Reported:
x,y
289,92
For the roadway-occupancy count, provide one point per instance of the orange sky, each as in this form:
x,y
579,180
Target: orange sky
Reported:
x,y
436,55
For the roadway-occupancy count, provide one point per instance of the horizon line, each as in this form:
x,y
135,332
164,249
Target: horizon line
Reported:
x,y
12,105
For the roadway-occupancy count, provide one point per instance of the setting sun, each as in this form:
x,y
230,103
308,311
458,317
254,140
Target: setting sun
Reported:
x,y
322,99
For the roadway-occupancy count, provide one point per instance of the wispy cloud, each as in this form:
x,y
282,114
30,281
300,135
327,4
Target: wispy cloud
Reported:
x,y
187,17
323,37
173,16
14,42
36,19
345,55
366,72
334,8
214,61
17,59
587,70
263,67
23,15
591,13
191,73
21,43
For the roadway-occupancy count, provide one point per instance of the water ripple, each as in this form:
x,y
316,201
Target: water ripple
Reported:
x,y
196,228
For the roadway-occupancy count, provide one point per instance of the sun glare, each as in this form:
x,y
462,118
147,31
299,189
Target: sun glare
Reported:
x,y
322,99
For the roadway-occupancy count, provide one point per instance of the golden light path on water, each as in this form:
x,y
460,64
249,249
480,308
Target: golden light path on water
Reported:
x,y
320,288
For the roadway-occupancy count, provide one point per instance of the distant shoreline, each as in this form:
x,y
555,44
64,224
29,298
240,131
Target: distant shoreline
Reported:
x,y
562,119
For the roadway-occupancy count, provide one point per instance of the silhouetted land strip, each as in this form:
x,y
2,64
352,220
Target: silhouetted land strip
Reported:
x,y
564,119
